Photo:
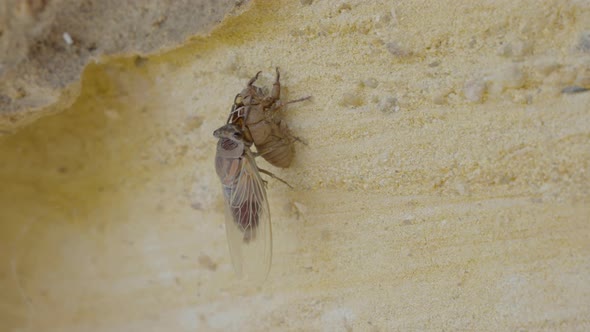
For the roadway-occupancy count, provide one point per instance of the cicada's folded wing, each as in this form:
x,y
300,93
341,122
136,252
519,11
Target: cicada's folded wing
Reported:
x,y
247,223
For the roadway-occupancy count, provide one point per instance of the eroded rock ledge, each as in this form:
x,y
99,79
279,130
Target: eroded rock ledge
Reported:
x,y
45,44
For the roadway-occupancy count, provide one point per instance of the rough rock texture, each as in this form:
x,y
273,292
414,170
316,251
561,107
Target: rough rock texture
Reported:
x,y
445,184
45,44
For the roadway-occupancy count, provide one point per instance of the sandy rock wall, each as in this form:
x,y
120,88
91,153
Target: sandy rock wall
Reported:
x,y
444,184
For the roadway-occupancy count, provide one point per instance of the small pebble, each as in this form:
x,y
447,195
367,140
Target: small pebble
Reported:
x,y
583,77
206,262
439,99
511,77
112,114
351,99
388,18
193,123
574,89
370,83
344,7
584,43
440,96
382,20
389,105
474,90
546,67
434,64
516,48
583,80
522,98
395,49
561,78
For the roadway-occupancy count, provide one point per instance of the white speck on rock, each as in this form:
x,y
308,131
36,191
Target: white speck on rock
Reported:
x,y
408,219
474,90
68,39
461,188
511,77
384,158
338,319
203,193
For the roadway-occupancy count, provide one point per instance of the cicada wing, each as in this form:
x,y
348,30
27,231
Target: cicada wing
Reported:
x,y
247,223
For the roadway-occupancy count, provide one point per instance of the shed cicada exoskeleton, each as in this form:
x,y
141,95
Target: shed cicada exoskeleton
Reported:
x,y
257,113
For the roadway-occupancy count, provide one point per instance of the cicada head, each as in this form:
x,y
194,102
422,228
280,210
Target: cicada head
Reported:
x,y
232,132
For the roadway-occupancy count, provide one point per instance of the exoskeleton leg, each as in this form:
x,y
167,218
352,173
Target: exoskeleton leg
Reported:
x,y
299,139
281,105
233,108
286,132
276,92
275,95
253,79
276,87
274,177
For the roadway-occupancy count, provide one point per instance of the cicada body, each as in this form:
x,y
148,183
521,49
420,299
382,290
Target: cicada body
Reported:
x,y
247,215
258,115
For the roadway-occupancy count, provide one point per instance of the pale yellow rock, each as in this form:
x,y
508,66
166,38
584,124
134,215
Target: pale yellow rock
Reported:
x,y
435,217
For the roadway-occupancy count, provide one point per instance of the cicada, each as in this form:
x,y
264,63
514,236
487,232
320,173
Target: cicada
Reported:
x,y
247,215
257,113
